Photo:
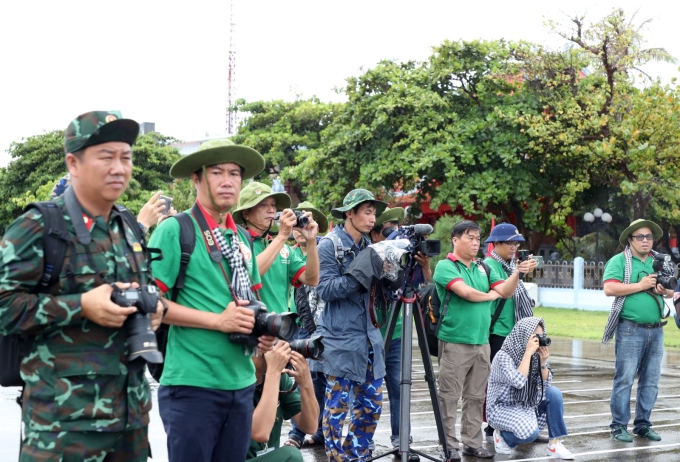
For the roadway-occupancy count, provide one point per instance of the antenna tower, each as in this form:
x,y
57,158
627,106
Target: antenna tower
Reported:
x,y
231,95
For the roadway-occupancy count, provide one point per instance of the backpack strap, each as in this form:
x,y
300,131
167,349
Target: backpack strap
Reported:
x,y
444,308
131,221
187,242
56,239
249,237
340,250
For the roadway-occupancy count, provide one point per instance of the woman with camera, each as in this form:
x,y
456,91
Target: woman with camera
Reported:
x,y
521,399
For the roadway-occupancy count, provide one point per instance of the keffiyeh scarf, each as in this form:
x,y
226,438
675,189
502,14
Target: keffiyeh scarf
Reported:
x,y
617,305
240,282
515,345
523,303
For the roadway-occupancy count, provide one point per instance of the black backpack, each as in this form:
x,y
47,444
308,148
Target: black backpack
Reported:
x,y
433,315
56,238
187,242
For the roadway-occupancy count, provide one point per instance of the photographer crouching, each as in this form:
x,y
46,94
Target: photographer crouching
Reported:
x,y
521,398
279,398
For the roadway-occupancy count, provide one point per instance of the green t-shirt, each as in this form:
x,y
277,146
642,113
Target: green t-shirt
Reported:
x,y
283,273
465,322
289,406
506,320
201,357
640,307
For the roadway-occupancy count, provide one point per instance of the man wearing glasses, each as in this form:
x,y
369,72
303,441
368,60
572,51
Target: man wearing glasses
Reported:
x,y
506,239
636,319
464,336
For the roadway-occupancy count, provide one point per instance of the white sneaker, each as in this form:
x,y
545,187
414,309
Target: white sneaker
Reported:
x,y
558,450
499,443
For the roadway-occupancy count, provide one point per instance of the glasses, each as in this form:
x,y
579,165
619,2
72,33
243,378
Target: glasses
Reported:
x,y
643,237
511,243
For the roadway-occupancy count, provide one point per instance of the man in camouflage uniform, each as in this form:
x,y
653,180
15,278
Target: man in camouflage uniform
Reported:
x,y
354,355
82,399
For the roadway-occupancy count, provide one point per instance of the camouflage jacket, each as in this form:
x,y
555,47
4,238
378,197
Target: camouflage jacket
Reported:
x,y
76,375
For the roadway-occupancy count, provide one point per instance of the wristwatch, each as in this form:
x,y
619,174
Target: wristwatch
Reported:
x,y
546,365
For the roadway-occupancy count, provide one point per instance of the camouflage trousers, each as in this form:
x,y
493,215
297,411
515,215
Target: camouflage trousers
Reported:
x,y
366,409
128,446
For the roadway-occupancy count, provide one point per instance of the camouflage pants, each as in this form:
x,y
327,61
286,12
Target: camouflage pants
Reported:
x,y
128,446
366,410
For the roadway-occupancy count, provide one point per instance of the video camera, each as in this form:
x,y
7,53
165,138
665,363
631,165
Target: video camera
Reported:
x,y
416,235
277,325
141,338
669,282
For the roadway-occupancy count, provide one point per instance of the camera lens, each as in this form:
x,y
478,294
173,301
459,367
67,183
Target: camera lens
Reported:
x,y
302,219
309,348
280,325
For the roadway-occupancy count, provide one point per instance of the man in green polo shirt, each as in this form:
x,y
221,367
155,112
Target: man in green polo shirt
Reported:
x,y
464,336
208,383
279,266
635,318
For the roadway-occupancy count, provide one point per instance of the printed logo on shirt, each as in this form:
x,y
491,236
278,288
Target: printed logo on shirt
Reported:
x,y
247,255
284,253
481,269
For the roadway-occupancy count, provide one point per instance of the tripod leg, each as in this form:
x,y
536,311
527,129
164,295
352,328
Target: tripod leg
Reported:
x,y
429,376
392,325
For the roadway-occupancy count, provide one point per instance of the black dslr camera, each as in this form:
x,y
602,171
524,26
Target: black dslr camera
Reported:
x,y
669,282
543,340
141,338
311,348
302,219
277,325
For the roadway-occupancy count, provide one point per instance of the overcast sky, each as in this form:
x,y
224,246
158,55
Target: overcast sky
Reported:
x,y
166,62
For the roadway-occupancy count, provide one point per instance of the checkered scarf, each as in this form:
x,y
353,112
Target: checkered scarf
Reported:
x,y
240,282
523,303
617,305
515,345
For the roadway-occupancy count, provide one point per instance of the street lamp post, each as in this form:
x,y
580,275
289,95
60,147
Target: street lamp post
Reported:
x,y
605,218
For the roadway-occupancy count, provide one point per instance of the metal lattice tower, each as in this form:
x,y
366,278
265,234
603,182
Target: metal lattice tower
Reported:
x,y
231,95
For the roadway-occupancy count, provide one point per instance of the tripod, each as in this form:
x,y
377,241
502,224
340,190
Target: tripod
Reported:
x,y
408,301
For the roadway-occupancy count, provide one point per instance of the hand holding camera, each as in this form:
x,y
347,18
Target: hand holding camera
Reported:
x,y
289,219
277,358
236,318
648,282
96,305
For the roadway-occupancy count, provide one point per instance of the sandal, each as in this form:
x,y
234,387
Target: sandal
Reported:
x,y
477,452
292,442
309,442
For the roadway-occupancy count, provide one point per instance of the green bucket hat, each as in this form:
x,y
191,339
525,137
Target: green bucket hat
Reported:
x,y
219,152
97,127
354,198
637,224
390,214
319,217
254,193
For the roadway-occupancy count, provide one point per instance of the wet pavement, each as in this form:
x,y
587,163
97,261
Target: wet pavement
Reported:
x,y
581,370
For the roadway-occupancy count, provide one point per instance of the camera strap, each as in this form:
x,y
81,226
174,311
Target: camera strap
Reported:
x,y
211,245
377,291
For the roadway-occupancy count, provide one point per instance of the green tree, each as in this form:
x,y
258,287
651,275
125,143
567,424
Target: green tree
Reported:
x,y
284,132
38,162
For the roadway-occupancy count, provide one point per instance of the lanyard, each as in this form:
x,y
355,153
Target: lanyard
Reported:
x,y
211,245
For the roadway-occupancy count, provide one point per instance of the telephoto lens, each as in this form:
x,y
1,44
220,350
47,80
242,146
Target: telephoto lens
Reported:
x,y
311,348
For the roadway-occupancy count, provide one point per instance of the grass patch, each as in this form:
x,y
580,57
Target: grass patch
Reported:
x,y
574,323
